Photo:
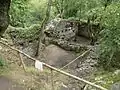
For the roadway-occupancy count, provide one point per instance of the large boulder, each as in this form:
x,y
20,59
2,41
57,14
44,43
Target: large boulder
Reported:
x,y
56,56
69,29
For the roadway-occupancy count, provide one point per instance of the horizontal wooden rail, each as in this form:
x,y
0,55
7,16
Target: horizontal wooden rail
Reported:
x,y
55,69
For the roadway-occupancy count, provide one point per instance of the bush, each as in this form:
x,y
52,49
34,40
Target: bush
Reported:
x,y
110,37
29,33
26,12
75,8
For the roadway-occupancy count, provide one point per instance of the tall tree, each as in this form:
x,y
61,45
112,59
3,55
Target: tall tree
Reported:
x,y
4,16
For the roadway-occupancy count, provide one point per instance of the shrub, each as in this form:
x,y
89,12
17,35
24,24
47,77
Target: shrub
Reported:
x,y
110,37
26,12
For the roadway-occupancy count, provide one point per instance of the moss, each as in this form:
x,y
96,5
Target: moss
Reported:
x,y
28,33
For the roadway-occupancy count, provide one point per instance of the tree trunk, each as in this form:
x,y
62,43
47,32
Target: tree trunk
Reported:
x,y
43,24
4,16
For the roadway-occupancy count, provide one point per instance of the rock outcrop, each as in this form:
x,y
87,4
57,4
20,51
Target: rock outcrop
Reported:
x,y
67,34
61,29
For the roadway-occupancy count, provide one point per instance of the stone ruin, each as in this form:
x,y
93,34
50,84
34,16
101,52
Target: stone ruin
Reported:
x,y
68,34
61,29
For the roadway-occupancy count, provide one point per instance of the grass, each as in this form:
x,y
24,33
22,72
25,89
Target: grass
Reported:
x,y
106,78
3,66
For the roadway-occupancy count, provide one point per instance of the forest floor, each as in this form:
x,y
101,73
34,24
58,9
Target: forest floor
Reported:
x,y
13,76
11,73
7,84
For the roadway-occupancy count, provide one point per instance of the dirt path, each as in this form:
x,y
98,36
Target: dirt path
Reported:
x,y
7,84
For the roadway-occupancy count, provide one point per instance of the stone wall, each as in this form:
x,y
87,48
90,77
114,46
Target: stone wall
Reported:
x,y
67,34
67,30
61,29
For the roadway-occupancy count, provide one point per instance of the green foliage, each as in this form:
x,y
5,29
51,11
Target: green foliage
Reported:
x,y
110,37
28,33
75,8
37,10
18,12
109,46
26,12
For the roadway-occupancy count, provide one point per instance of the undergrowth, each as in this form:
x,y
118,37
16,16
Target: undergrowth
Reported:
x,y
3,65
106,78
28,33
